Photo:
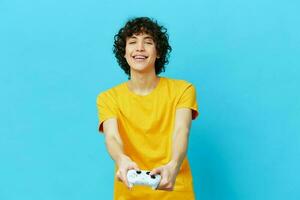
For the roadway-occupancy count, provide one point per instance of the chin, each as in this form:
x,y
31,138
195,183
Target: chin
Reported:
x,y
140,68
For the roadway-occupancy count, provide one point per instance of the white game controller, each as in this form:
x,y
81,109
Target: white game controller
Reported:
x,y
143,177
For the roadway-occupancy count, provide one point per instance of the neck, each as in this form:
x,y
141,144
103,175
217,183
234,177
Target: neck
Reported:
x,y
143,83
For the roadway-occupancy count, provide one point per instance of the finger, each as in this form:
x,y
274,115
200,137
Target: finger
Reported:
x,y
163,183
166,187
118,176
134,166
124,177
156,171
164,180
169,187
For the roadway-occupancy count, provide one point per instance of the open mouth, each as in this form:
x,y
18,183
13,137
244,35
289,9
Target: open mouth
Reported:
x,y
140,57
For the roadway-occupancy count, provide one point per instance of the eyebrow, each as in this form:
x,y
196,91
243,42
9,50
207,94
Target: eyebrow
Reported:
x,y
147,37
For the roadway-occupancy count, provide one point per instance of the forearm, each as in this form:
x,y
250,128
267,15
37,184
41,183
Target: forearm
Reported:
x,y
115,149
179,146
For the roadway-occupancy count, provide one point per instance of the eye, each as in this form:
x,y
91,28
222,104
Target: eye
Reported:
x,y
149,42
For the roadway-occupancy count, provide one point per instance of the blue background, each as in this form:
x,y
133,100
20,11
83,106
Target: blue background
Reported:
x,y
242,56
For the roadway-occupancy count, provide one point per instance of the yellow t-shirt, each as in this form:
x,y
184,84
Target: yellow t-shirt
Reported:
x,y
146,126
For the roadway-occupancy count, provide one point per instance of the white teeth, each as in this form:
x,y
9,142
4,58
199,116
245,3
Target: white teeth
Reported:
x,y
139,57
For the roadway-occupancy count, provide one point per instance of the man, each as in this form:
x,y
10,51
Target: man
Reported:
x,y
146,120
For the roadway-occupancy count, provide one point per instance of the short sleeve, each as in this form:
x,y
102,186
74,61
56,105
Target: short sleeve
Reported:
x,y
107,108
188,100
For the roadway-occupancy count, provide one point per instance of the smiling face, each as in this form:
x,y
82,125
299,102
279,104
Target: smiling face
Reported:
x,y
140,52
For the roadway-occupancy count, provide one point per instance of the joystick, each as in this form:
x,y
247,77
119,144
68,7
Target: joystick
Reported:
x,y
143,177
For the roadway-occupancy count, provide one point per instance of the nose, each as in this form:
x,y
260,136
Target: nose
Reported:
x,y
140,46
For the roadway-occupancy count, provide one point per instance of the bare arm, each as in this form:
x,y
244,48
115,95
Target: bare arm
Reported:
x,y
113,140
169,171
180,136
114,146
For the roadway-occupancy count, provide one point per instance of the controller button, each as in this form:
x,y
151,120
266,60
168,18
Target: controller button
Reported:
x,y
153,176
147,173
138,172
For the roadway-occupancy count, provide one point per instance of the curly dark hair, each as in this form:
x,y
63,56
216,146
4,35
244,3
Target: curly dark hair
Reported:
x,y
143,25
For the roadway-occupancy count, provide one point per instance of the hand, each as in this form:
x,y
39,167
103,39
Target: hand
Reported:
x,y
125,164
168,174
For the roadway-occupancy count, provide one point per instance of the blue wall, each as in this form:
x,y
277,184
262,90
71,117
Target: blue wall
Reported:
x,y
242,56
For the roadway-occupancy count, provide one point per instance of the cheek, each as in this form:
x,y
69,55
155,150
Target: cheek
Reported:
x,y
154,52
127,54
127,58
128,51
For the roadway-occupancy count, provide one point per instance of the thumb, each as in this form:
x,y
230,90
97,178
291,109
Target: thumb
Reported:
x,y
156,170
135,166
